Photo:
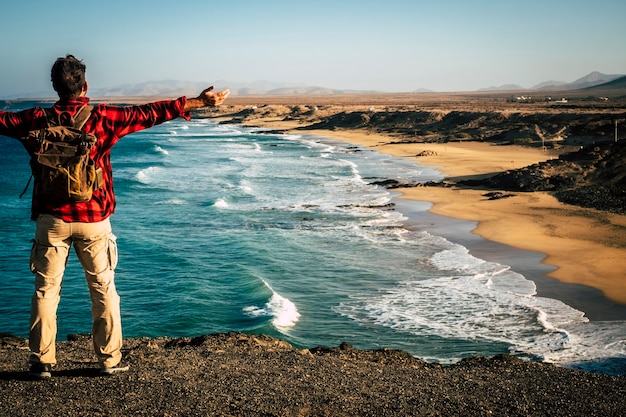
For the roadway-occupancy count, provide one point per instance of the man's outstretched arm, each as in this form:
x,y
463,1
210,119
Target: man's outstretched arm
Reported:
x,y
207,98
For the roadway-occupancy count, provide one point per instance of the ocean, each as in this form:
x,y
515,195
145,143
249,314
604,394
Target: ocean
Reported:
x,y
226,228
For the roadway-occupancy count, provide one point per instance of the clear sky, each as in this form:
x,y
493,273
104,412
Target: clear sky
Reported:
x,y
388,45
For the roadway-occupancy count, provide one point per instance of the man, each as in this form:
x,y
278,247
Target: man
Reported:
x,y
85,225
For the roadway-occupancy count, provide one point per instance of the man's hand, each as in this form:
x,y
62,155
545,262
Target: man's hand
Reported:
x,y
206,99
213,99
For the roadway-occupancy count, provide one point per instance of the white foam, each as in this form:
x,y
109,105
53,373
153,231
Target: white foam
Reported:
x,y
460,307
173,201
221,203
290,136
456,259
160,150
145,176
494,305
245,187
284,312
224,130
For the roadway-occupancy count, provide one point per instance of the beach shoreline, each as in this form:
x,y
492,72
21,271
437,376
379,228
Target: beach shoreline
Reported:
x,y
583,247
524,250
581,243
572,238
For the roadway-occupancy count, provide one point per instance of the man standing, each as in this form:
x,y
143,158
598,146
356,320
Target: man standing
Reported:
x,y
83,224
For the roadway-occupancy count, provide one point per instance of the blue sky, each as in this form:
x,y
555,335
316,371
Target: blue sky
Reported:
x,y
388,45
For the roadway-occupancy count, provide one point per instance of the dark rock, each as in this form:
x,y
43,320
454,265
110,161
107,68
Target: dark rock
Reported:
x,y
389,183
537,128
496,195
592,177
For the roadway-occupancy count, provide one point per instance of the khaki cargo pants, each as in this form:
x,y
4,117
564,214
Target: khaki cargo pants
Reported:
x,y
95,246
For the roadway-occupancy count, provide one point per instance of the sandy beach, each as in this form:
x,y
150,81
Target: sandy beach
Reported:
x,y
586,246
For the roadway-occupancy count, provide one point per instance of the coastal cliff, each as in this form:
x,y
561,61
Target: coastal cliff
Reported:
x,y
235,374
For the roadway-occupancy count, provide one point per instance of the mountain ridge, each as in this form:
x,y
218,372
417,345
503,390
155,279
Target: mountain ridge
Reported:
x,y
265,87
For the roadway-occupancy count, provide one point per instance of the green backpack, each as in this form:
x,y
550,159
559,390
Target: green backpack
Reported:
x,y
63,170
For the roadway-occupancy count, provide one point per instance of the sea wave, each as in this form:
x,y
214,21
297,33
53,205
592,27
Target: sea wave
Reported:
x,y
146,175
283,311
221,203
160,150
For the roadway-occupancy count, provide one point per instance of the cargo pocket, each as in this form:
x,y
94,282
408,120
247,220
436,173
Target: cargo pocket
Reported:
x,y
113,257
98,254
47,261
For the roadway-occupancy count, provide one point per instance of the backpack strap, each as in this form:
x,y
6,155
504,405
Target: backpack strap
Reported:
x,y
26,188
81,116
64,119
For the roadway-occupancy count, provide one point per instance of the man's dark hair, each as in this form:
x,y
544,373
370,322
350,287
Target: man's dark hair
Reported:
x,y
68,77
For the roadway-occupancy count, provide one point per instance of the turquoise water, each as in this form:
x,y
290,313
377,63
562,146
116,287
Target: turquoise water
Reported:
x,y
225,228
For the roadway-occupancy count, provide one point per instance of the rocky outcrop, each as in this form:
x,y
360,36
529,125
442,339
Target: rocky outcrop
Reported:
x,y
548,129
592,177
235,374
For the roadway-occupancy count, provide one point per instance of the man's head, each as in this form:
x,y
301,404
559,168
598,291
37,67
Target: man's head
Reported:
x,y
68,77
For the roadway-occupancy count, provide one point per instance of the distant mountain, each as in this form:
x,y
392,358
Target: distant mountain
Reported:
x,y
315,91
171,88
150,88
548,85
303,91
261,86
45,94
177,88
616,83
589,80
505,87
592,79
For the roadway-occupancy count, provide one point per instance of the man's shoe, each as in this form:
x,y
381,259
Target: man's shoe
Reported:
x,y
40,370
114,369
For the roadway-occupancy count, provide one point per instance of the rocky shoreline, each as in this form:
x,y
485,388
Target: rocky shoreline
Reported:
x,y
235,374
585,172
592,177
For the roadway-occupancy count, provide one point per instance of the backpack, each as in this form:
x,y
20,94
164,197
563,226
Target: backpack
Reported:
x,y
61,165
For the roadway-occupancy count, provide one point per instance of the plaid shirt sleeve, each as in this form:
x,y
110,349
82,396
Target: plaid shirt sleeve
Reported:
x,y
109,124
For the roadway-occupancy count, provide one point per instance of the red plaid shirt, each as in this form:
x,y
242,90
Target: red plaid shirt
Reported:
x,y
109,124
